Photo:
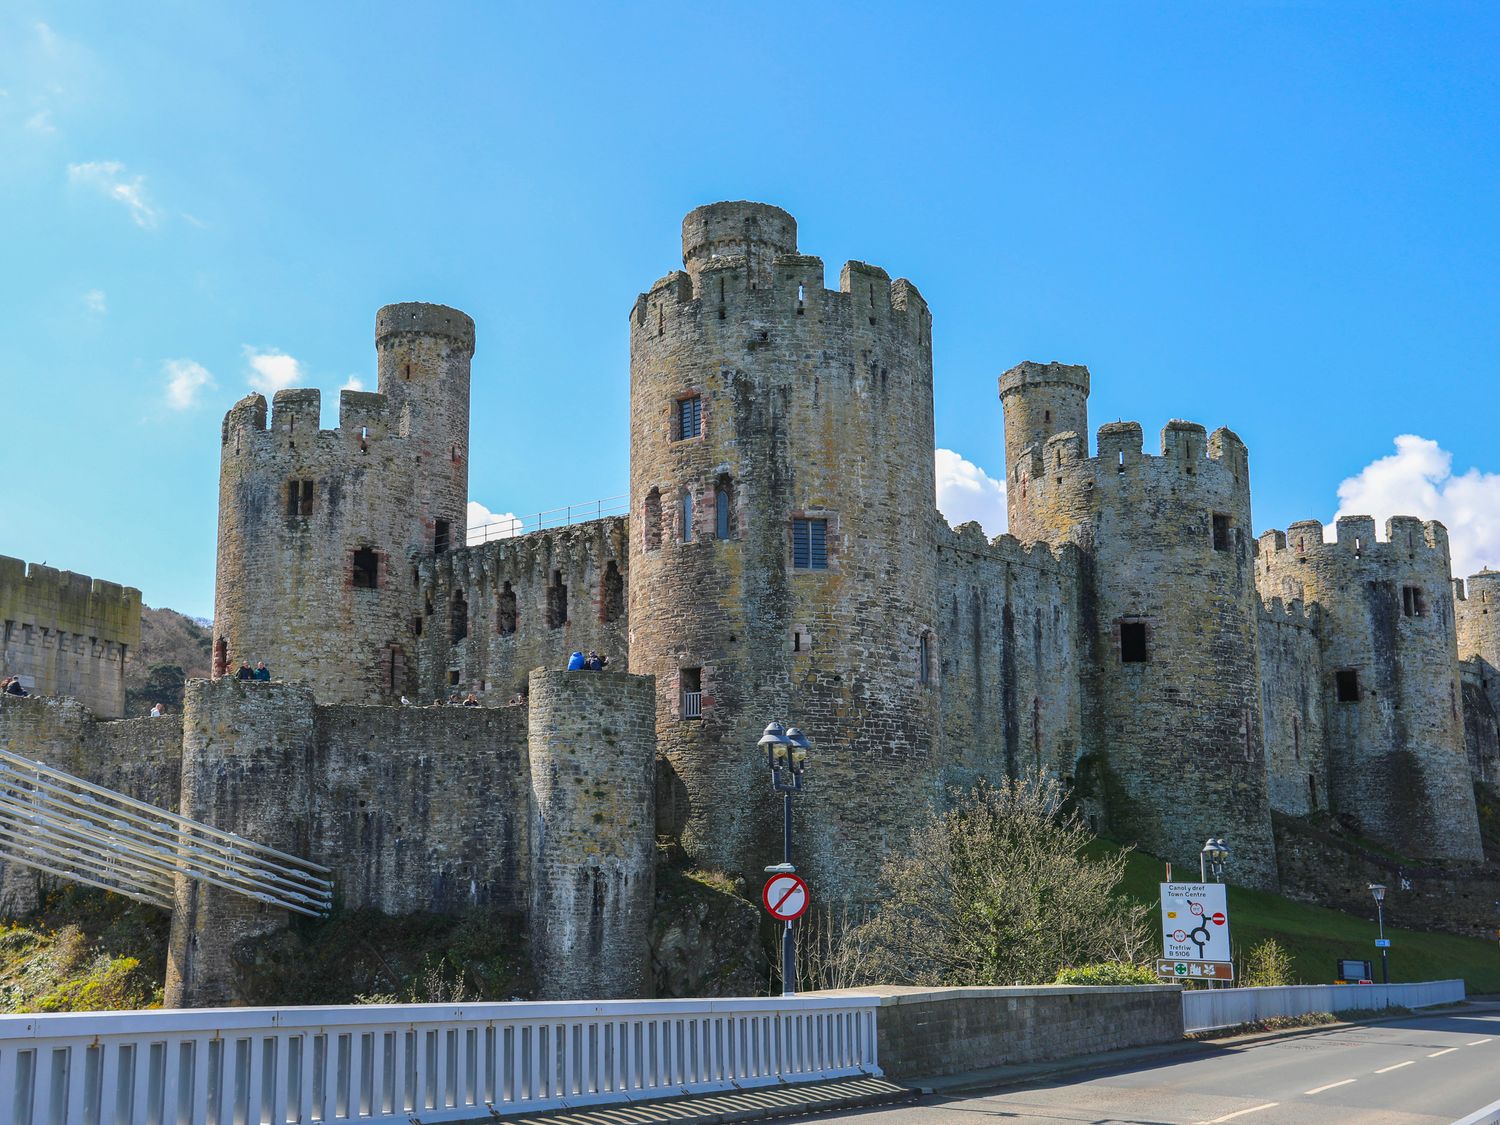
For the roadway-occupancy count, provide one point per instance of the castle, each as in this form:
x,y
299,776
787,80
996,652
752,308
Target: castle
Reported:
x,y
784,559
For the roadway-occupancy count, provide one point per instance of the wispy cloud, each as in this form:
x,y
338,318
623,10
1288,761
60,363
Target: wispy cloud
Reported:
x,y
40,122
96,302
272,370
186,379
1418,480
193,220
110,178
966,492
353,383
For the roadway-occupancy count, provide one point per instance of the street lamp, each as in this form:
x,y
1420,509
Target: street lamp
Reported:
x,y
786,755
1215,854
1377,890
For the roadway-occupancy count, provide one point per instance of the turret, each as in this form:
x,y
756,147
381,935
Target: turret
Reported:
x,y
1477,612
782,494
1041,401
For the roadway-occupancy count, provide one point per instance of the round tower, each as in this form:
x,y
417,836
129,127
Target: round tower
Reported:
x,y
1040,401
424,352
1397,764
1478,617
318,528
782,501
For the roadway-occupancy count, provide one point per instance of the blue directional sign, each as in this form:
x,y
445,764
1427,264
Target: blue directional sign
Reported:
x,y
1382,943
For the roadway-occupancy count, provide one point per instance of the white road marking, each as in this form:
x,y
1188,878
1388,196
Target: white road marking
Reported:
x,y
1444,1051
1240,1113
1398,1066
1478,1041
1330,1086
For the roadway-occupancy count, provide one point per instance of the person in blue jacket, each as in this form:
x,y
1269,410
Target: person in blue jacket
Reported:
x,y
575,662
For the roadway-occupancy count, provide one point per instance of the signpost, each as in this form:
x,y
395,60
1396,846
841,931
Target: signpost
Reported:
x,y
1195,932
785,896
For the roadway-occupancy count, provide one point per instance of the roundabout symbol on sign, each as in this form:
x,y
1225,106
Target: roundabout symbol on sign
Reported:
x,y
785,896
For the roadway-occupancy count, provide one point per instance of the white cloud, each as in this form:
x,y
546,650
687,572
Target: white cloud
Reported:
x,y
110,178
271,370
353,383
193,220
966,492
185,379
1418,480
41,122
485,525
94,300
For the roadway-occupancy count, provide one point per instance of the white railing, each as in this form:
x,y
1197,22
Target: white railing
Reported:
x,y
1209,1008
565,516
403,1063
692,705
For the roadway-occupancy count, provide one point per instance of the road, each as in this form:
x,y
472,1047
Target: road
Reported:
x,y
1427,1071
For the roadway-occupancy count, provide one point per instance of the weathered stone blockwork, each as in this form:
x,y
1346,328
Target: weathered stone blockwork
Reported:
x,y
67,634
926,1032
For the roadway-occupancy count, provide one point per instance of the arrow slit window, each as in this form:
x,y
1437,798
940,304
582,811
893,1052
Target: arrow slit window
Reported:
x,y
1133,648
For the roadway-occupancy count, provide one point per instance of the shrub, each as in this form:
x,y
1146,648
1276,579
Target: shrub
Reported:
x,y
1107,972
1267,965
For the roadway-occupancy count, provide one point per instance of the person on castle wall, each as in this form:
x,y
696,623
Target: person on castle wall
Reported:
x,y
262,673
576,662
12,686
157,711
471,700
454,700
245,672
594,662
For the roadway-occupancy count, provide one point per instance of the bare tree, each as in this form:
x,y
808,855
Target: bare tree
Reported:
x,y
999,890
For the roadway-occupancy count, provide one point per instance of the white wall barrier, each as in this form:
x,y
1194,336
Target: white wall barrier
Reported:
x,y
1204,1009
405,1062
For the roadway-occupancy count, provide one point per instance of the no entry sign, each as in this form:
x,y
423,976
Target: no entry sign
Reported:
x,y
785,897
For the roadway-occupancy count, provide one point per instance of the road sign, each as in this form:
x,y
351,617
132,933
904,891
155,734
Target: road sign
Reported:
x,y
1382,943
785,896
1195,970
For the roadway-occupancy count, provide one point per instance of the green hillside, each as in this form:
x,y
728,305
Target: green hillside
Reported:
x,y
1316,937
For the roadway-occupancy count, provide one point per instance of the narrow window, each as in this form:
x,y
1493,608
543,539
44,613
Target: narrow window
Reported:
x,y
458,616
299,499
692,692
721,511
365,569
393,670
687,516
439,536
1221,532
505,611
612,593
661,323
1346,685
800,293
1312,791
1047,416
1133,642
557,602
689,417
810,544
924,659
651,523
1297,737
453,677
1411,601
1120,464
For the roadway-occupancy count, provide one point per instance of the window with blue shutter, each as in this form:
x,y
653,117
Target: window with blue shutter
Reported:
x,y
810,544
689,417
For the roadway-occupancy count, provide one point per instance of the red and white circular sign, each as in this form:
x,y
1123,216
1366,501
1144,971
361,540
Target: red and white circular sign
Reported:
x,y
785,897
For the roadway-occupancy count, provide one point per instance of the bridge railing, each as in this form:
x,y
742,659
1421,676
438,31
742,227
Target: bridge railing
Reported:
x,y
527,522
429,1062
1205,1009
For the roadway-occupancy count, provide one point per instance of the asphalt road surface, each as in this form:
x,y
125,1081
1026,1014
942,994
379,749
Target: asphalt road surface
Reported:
x,y
1428,1071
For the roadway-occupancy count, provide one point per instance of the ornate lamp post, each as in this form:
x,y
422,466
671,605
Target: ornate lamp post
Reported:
x,y
1215,854
1377,891
786,755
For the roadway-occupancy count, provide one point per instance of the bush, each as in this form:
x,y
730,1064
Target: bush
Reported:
x,y
1267,965
1107,972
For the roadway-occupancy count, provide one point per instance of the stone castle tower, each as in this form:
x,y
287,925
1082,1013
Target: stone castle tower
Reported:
x,y
319,529
782,502
1394,725
1170,619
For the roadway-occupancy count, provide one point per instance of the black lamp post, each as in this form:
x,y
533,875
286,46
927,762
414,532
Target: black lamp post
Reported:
x,y
1377,891
786,755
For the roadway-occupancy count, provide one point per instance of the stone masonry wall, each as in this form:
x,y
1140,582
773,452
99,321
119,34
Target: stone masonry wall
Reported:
x,y
1008,656
1476,607
1293,701
593,839
1481,725
1397,766
523,603
141,758
816,405
67,634
927,1032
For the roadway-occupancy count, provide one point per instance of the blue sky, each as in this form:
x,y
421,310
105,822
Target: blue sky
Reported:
x,y
1276,216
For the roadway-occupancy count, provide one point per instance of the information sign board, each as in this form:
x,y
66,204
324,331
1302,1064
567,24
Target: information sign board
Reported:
x,y
1195,932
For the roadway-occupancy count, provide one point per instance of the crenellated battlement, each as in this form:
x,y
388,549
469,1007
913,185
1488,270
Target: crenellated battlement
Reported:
x,y
1037,554
418,318
1292,613
72,602
787,294
1481,588
292,423
1407,538
1186,449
